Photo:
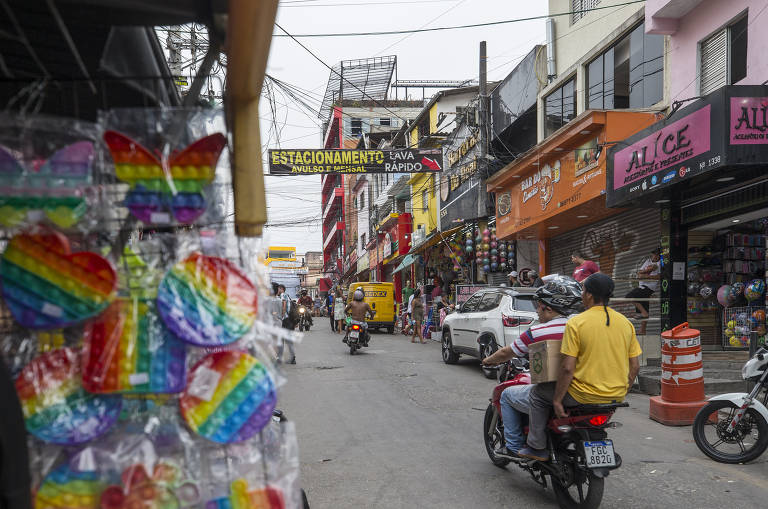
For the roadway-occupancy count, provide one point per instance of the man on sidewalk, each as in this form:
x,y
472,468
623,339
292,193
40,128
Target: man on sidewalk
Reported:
x,y
600,363
285,307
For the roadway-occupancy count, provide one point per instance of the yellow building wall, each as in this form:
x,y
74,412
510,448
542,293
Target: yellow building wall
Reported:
x,y
420,182
433,119
413,141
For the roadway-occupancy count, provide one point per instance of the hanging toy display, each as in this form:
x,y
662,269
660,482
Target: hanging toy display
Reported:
x,y
56,408
173,187
207,301
57,188
138,491
243,498
725,296
230,397
737,290
46,286
128,349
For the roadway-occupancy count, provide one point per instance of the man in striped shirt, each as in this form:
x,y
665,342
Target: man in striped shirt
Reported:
x,y
554,302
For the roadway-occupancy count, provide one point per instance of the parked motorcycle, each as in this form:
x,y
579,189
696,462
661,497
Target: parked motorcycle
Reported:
x,y
356,336
303,319
580,454
733,428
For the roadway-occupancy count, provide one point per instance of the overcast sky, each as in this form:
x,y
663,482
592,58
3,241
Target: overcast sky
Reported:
x,y
449,55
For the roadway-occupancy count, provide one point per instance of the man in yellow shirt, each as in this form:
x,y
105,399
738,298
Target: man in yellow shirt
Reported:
x,y
600,363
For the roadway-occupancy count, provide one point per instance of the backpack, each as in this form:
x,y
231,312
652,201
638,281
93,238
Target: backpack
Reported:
x,y
293,312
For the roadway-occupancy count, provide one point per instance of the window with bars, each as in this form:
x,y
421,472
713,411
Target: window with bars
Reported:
x,y
723,57
581,5
356,126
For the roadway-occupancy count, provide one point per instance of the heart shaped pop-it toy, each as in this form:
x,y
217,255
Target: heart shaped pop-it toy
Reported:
x,y
57,188
207,301
174,185
128,349
66,488
46,286
56,407
230,397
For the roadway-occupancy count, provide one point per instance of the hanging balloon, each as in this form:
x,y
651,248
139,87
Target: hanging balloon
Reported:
x,y
494,266
502,259
502,266
705,291
486,260
494,244
494,251
456,268
459,260
486,246
468,249
754,290
486,232
486,268
737,289
468,242
478,239
724,296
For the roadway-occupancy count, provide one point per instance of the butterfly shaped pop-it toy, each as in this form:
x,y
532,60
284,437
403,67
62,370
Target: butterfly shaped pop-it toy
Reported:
x,y
57,187
160,186
46,286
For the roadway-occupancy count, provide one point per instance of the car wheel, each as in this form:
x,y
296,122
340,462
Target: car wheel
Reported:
x,y
486,351
449,355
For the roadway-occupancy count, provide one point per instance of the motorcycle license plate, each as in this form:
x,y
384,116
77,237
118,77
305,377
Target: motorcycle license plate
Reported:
x,y
354,334
599,454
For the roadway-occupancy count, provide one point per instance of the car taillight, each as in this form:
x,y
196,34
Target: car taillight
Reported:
x,y
514,321
599,420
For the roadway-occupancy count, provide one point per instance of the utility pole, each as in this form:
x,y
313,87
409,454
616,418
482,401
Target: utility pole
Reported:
x,y
483,103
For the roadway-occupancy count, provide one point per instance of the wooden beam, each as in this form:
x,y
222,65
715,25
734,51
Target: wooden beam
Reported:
x,y
249,36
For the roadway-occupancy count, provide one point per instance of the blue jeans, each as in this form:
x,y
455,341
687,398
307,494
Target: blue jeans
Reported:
x,y
514,402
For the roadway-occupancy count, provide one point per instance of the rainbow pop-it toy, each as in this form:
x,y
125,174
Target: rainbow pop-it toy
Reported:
x,y
172,185
57,187
66,488
56,407
46,286
128,349
207,301
240,498
229,398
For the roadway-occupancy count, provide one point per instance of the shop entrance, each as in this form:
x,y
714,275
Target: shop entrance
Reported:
x,y
726,276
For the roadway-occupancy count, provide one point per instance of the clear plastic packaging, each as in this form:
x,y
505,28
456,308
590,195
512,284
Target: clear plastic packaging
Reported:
x,y
56,407
46,286
207,301
128,349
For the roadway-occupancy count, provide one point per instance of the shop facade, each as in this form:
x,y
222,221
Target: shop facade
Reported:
x,y
702,171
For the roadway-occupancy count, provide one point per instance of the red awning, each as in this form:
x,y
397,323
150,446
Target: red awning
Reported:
x,y
324,284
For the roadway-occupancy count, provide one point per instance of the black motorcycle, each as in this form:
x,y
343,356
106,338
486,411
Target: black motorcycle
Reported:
x,y
356,336
304,320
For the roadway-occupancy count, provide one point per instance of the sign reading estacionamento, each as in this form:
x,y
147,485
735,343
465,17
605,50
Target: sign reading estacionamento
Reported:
x,y
308,162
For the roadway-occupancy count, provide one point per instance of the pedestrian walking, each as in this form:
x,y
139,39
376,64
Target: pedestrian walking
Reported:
x,y
286,323
649,283
329,308
338,309
417,312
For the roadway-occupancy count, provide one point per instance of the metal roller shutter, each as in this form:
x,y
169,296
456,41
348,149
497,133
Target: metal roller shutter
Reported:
x,y
619,245
713,64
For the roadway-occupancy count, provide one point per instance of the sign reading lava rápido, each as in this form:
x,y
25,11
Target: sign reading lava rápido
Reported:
x,y
307,162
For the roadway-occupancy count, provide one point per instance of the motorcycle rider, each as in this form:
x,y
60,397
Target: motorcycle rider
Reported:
x,y
600,363
555,300
358,310
306,301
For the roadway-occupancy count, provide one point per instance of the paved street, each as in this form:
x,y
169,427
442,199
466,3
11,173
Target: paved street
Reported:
x,y
395,427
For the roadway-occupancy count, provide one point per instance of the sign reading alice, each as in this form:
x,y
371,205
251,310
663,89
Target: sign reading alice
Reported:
x,y
308,162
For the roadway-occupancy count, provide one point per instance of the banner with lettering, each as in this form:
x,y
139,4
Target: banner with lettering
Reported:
x,y
314,161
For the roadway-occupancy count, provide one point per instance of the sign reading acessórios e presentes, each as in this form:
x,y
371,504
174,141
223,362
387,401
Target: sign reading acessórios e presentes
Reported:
x,y
308,162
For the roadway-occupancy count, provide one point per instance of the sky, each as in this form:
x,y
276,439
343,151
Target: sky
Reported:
x,y
294,202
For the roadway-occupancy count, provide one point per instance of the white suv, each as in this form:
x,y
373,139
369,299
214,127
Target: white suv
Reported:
x,y
490,319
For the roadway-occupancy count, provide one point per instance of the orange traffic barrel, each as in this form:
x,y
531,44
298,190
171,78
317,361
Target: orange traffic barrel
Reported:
x,y
682,370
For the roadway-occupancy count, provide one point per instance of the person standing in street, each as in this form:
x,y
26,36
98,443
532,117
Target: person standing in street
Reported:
x,y
535,280
513,278
417,311
649,283
329,308
407,291
338,309
584,268
285,307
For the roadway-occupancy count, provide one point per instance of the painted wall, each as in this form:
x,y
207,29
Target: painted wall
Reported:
x,y
572,39
420,182
706,18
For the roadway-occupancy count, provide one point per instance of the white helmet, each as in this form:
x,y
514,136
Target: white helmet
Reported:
x,y
359,295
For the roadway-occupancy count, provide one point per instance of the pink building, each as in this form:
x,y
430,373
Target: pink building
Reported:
x,y
712,43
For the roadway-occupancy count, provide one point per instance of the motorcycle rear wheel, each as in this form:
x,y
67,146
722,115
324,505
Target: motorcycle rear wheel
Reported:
x,y
574,497
496,439
351,349
751,430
